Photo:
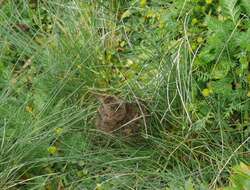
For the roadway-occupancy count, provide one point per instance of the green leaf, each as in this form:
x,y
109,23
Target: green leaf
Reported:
x,y
214,24
126,14
222,87
205,57
243,40
246,5
230,8
244,63
189,185
220,70
241,177
1,68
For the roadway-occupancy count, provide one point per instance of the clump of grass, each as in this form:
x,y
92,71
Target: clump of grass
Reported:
x,y
72,48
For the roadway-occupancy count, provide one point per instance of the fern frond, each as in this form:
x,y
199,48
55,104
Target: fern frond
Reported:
x,y
230,8
246,5
202,76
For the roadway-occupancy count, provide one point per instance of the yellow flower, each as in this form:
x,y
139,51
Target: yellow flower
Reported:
x,y
129,62
52,150
79,66
98,186
122,43
205,92
58,131
29,109
209,1
194,21
219,9
199,40
193,46
151,14
143,3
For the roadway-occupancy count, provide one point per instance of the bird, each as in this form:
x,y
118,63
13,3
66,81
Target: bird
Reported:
x,y
119,117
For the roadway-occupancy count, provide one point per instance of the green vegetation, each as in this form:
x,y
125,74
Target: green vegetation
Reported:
x,y
189,60
240,178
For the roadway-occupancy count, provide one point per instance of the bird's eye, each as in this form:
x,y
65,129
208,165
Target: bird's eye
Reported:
x,y
109,99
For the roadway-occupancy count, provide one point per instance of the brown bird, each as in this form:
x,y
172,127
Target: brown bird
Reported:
x,y
118,117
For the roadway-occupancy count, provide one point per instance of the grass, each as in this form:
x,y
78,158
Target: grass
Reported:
x,y
73,48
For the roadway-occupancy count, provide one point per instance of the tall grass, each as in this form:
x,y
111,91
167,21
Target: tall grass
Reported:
x,y
70,46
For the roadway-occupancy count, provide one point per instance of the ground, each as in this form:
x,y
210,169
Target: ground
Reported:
x,y
187,60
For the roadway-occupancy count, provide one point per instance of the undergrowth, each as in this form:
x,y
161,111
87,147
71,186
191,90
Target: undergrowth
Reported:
x,y
188,60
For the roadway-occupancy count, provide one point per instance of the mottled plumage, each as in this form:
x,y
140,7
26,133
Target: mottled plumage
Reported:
x,y
119,117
